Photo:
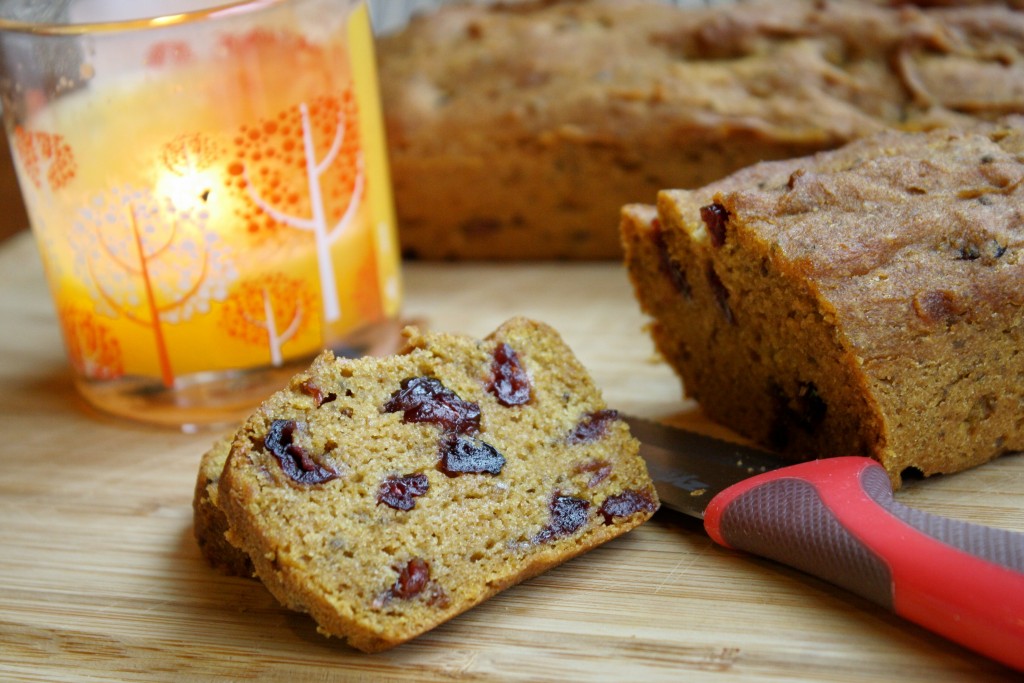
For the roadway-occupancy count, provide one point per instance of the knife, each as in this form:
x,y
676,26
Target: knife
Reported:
x,y
837,519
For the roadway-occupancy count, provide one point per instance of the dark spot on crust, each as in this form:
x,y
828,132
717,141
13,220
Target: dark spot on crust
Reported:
x,y
989,251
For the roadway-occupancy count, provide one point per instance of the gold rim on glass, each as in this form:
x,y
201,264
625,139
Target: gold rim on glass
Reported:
x,y
221,10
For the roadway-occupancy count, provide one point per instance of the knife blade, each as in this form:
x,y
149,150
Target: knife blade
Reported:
x,y
837,518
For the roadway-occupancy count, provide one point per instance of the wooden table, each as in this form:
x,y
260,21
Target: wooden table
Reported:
x,y
100,576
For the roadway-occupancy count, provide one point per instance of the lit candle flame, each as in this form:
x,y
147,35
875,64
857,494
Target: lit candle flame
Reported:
x,y
187,190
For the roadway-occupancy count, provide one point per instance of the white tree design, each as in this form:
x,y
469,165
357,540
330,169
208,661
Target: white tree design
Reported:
x,y
270,310
325,220
275,338
148,261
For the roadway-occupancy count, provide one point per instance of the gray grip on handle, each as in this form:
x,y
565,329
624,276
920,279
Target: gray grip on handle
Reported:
x,y
785,520
999,546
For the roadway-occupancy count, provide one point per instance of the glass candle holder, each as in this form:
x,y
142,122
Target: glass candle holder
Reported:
x,y
209,192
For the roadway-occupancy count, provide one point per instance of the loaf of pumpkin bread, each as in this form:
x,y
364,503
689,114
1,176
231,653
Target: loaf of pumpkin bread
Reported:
x,y
863,301
518,129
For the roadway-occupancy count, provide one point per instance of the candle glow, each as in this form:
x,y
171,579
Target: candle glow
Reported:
x,y
227,211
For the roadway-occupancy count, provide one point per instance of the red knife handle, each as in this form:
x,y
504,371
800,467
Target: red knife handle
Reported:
x,y
836,518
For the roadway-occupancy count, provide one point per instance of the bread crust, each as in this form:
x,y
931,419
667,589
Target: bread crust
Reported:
x,y
865,301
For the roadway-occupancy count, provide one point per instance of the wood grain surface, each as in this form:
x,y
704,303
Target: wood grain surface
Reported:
x,y
100,578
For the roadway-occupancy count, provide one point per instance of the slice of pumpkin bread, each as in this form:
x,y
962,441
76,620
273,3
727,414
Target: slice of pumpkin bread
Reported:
x,y
385,496
208,522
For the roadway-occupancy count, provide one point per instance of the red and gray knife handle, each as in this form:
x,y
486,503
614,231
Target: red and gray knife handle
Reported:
x,y
836,518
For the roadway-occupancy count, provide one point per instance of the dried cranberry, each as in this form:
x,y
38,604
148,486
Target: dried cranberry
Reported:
x,y
426,399
592,426
812,405
793,178
400,492
509,381
319,397
715,216
721,294
936,306
438,597
971,252
598,469
793,415
625,504
412,579
669,266
477,226
568,515
461,454
294,460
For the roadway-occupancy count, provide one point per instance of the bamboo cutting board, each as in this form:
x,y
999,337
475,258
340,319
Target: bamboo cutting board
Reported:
x,y
100,578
